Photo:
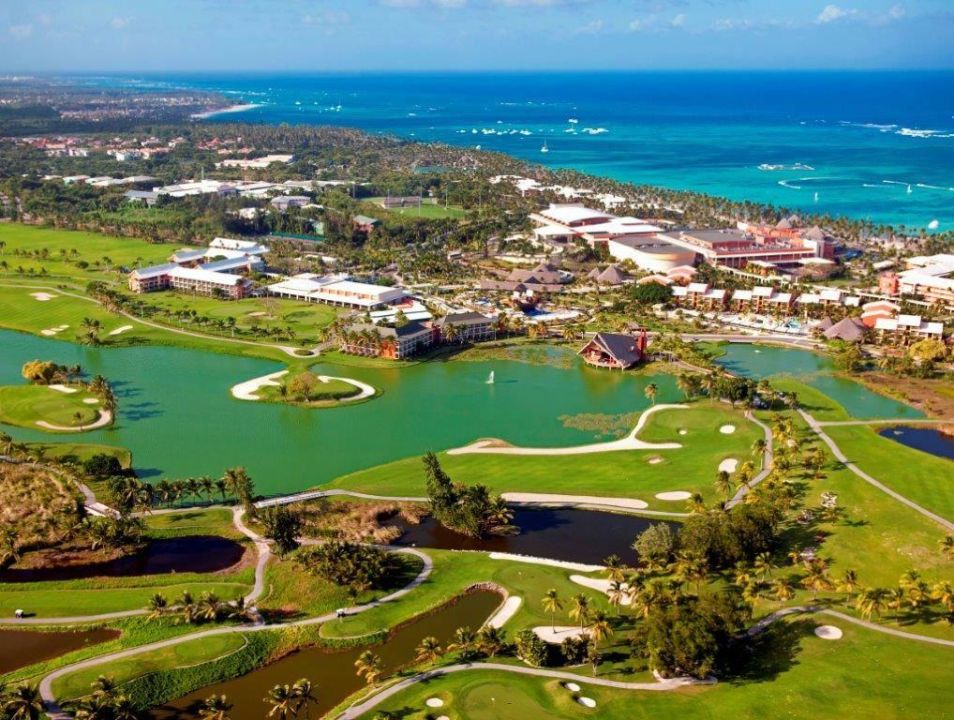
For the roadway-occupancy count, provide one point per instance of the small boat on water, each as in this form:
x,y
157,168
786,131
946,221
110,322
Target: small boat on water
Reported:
x,y
544,149
490,378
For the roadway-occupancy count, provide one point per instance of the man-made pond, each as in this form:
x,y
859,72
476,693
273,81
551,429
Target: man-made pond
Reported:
x,y
816,370
19,648
927,439
332,672
584,536
192,553
177,416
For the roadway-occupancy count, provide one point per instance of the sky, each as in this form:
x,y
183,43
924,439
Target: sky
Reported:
x,y
341,35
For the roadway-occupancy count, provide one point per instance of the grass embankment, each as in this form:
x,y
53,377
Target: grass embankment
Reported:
x,y
793,674
37,503
93,596
693,467
28,405
917,475
324,394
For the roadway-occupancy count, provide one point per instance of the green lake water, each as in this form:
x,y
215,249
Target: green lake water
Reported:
x,y
817,371
178,418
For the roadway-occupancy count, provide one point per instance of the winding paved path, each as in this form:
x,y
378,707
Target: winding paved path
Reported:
x,y
767,459
842,458
663,685
46,684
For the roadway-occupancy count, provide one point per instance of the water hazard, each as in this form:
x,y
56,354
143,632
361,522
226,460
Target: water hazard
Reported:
x,y
332,671
19,648
925,439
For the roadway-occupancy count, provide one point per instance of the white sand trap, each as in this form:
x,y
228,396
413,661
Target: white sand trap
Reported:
x,y
559,633
506,611
551,499
443,717
727,429
654,460
247,389
572,687
366,390
728,465
42,296
683,431
529,559
91,401
105,417
260,313
674,495
48,332
630,442
434,702
121,330
828,632
586,702
600,585
62,388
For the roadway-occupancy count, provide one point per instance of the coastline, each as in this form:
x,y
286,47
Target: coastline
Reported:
x,y
225,111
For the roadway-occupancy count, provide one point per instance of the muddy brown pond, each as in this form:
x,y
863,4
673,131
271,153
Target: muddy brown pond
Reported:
x,y
193,553
19,648
332,671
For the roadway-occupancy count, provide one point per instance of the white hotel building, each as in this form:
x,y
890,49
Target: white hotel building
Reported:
x,y
337,290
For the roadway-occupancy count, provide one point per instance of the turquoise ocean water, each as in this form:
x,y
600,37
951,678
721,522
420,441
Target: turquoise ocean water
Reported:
x,y
875,145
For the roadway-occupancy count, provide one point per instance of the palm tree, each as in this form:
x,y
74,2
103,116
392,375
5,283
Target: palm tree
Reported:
x,y
429,650
650,392
368,665
600,627
758,449
616,594
157,607
215,707
552,604
281,701
491,640
763,565
580,609
303,692
593,657
123,708
464,639
783,590
23,703
946,544
724,485
848,584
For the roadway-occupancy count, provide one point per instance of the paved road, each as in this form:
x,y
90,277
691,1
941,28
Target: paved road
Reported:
x,y
767,459
840,456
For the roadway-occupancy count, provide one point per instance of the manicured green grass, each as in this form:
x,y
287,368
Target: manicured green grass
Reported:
x,y
812,401
25,405
91,248
793,675
122,671
325,394
429,210
917,475
692,468
82,451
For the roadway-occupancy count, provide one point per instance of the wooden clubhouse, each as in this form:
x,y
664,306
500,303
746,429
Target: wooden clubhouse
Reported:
x,y
614,350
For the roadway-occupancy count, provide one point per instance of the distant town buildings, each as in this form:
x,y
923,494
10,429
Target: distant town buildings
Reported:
x,y
218,270
930,277
254,163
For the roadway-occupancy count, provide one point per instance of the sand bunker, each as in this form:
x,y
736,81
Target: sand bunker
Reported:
x,y
62,388
506,611
49,332
727,429
42,296
121,330
572,687
434,702
673,495
586,702
601,585
828,632
559,633
654,460
553,499
91,401
683,431
728,465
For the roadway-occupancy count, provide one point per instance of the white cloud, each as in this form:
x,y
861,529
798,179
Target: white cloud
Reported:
x,y
21,32
44,19
896,12
591,28
832,13
678,21
119,23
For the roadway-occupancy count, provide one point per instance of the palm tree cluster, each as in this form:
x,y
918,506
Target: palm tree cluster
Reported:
x,y
105,702
208,607
288,701
360,567
468,509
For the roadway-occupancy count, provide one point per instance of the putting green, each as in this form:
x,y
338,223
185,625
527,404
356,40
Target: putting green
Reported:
x,y
27,405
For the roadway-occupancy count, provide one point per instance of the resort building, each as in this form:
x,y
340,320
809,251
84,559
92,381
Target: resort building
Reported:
x,y
736,248
648,252
364,223
930,277
468,327
283,202
613,275
614,350
337,290
207,282
394,343
699,296
847,329
544,278
905,329
255,163
150,279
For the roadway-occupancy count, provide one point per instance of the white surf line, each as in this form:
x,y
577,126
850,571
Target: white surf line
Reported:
x,y
105,417
630,442
246,390
509,608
